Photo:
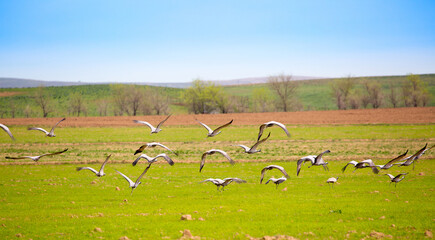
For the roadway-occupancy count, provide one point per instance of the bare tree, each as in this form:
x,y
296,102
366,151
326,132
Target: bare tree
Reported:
x,y
393,96
341,91
135,97
120,100
374,92
77,104
159,102
238,104
285,88
43,100
102,106
12,108
27,111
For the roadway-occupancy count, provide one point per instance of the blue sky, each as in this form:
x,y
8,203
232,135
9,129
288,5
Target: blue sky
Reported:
x,y
177,41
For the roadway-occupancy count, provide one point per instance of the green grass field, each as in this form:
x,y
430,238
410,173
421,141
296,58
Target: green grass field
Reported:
x,y
53,201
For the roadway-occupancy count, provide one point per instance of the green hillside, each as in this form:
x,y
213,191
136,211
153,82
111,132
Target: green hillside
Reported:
x,y
311,95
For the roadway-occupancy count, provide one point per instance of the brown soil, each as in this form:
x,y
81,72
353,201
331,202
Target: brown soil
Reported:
x,y
361,116
8,94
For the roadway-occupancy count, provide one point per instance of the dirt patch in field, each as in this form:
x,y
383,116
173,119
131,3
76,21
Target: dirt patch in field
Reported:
x,y
360,116
8,94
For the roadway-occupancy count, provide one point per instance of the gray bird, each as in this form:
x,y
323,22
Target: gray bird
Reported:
x,y
368,163
98,173
253,149
270,167
271,124
132,184
153,145
36,158
223,182
153,129
48,134
211,132
314,160
211,152
277,181
391,162
154,159
6,129
412,159
396,179
332,180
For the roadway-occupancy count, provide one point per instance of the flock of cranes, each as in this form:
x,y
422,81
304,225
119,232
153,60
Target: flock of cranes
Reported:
x,y
315,160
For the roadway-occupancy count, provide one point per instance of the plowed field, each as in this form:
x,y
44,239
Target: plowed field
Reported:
x,y
361,116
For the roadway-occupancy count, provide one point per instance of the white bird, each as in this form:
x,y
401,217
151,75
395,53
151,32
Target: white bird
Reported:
x,y
271,124
36,158
363,164
332,180
412,159
212,133
153,129
98,173
270,167
132,184
7,131
48,134
211,152
391,162
315,161
277,181
223,182
152,145
154,159
253,149
396,179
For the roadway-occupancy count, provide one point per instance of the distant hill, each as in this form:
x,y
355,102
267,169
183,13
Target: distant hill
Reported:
x,y
29,83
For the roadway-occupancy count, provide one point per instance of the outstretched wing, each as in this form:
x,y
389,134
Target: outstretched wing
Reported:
x,y
281,169
160,124
349,163
243,146
302,160
140,149
55,153
145,123
39,129
141,156
223,126
224,154
131,183
236,180
204,125
389,175
281,126
145,171
397,159
153,144
319,158
7,131
203,157
55,125
166,157
260,130
87,168
104,164
260,142
18,157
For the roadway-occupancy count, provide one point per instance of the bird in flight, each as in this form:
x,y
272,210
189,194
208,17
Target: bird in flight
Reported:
x,y
211,152
412,159
314,160
253,149
36,158
7,131
271,124
212,133
152,145
270,167
98,173
154,159
277,181
391,162
132,184
223,182
363,164
153,129
396,179
48,134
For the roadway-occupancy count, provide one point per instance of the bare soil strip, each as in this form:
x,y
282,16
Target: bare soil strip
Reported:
x,y
419,115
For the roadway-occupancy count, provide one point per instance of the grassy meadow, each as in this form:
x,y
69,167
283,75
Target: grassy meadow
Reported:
x,y
49,201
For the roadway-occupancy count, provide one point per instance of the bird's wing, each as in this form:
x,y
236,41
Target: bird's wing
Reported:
x,y
351,162
203,157
87,168
243,146
260,130
163,146
145,171
166,157
310,158
145,123
369,162
7,131
237,180
418,154
161,123
263,171
55,153
402,174
281,169
208,180
141,156
299,166
260,142
281,126
389,175
223,126
319,158
39,129
206,127
225,155
140,149
126,178
55,125
397,159
24,157
104,164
